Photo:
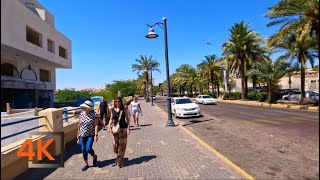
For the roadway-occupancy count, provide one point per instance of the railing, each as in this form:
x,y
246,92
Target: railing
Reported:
x,y
21,121
65,113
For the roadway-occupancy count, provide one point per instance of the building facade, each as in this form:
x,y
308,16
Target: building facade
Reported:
x,y
31,50
311,84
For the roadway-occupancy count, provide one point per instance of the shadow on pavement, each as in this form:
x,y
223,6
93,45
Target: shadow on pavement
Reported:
x,y
196,121
144,125
104,163
138,160
41,173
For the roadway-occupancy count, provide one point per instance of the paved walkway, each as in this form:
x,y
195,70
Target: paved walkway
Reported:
x,y
153,152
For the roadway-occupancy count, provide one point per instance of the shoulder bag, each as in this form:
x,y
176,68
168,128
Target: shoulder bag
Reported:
x,y
116,125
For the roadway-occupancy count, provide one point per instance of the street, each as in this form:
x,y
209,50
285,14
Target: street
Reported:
x,y
266,142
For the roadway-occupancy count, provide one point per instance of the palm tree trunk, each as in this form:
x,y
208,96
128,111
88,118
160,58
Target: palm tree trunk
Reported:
x,y
218,87
242,80
212,84
270,88
303,79
145,90
290,82
246,86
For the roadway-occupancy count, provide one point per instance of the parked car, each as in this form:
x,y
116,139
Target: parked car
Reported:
x,y
184,107
205,99
292,96
314,95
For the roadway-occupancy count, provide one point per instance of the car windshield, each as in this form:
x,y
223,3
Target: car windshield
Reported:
x,y
206,97
183,101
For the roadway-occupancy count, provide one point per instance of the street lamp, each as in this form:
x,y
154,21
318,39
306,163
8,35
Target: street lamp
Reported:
x,y
151,35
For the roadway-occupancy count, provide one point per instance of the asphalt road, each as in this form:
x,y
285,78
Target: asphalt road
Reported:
x,y
266,142
294,125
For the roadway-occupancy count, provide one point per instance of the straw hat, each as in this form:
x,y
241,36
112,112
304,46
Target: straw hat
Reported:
x,y
87,104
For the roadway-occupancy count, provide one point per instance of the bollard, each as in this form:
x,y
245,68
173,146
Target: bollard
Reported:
x,y
65,115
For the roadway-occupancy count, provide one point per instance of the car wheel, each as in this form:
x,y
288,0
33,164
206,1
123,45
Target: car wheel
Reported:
x,y
285,99
203,103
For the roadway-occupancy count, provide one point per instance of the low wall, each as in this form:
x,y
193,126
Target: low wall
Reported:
x,y
14,165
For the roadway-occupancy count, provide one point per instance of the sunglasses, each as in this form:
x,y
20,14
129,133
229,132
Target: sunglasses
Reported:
x,y
117,101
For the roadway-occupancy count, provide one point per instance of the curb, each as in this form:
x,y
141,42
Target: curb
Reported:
x,y
271,105
223,158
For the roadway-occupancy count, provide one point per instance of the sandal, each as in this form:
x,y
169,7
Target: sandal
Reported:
x,y
85,168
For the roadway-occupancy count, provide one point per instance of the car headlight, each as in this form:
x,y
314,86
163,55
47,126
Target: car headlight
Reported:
x,y
179,108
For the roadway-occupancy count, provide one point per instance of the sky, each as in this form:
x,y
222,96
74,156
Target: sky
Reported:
x,y
108,35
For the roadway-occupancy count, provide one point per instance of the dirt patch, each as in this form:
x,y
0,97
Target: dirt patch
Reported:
x,y
261,155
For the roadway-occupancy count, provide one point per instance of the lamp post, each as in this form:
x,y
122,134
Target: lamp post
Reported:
x,y
151,88
151,35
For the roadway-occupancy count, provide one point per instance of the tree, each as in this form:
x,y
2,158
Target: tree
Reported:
x,y
211,66
243,47
146,64
126,87
70,95
186,76
270,73
300,17
301,48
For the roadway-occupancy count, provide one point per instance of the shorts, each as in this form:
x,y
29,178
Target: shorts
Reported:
x,y
103,114
135,111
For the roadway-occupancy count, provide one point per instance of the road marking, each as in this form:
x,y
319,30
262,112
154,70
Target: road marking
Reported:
x,y
291,113
251,123
251,115
269,121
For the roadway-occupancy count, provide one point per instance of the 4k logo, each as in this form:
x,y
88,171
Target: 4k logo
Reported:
x,y
27,150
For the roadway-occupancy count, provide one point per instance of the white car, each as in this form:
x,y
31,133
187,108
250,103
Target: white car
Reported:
x,y
184,107
205,99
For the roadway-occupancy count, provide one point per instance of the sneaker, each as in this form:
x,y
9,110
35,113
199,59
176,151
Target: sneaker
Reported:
x,y
95,160
85,168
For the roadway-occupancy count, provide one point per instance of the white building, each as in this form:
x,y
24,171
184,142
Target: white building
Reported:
x,y
31,50
311,81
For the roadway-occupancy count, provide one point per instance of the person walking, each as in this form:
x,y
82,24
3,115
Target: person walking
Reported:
x,y
103,109
119,114
87,132
135,109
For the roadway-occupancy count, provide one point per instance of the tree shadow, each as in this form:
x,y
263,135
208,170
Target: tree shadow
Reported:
x,y
133,129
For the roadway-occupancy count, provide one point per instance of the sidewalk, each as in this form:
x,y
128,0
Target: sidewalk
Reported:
x,y
153,152
265,104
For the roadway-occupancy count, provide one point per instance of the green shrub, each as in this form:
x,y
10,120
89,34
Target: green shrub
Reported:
x,y
252,95
261,96
236,95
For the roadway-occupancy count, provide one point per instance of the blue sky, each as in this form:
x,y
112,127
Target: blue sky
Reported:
x,y
108,35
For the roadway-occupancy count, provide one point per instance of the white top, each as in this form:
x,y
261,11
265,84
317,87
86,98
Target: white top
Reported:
x,y
135,105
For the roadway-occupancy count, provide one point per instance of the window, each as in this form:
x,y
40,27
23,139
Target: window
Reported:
x,y
34,37
45,75
50,45
62,52
7,69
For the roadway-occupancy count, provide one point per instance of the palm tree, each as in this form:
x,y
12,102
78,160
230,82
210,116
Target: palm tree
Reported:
x,y
211,66
298,16
146,64
241,50
270,73
186,76
141,84
301,48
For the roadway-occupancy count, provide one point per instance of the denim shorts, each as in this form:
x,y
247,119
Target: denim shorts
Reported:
x,y
135,111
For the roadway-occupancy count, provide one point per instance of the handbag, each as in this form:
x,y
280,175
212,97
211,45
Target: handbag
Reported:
x,y
116,125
